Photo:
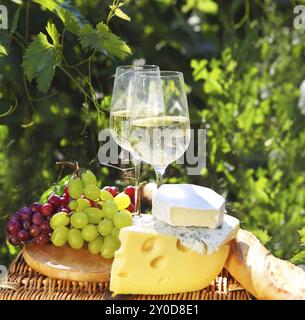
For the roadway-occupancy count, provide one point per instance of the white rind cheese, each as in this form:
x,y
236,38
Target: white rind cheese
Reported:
x,y
188,205
201,240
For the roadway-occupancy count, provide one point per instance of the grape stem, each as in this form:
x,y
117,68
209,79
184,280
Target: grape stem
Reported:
x,y
72,165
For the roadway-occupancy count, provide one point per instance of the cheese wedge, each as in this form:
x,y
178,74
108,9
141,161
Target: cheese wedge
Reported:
x,y
149,262
188,205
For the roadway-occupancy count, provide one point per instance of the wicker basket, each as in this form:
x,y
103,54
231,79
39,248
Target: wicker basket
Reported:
x,y
26,284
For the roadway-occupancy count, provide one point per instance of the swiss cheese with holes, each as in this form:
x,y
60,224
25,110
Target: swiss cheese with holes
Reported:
x,y
149,262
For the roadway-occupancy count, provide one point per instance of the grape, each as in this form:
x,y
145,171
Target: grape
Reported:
x,y
92,192
122,219
75,239
111,242
13,227
62,209
79,220
109,247
46,209
14,240
34,230
59,219
130,191
127,212
122,200
82,204
75,188
113,190
89,232
35,207
115,233
64,201
105,227
42,239
15,217
55,200
66,191
25,214
73,205
37,218
95,246
23,235
45,227
60,236
88,178
110,208
26,225
106,195
131,208
94,215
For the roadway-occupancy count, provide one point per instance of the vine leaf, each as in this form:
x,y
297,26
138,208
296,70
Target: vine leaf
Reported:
x,y
41,58
53,33
48,4
3,51
119,13
70,17
299,258
104,41
70,21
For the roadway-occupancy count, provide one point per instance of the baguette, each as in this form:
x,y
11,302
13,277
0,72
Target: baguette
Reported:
x,y
260,273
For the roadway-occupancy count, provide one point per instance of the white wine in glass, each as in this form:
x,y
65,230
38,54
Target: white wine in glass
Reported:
x,y
121,108
159,123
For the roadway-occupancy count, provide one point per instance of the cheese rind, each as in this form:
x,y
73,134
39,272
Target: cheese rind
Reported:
x,y
152,263
198,239
188,205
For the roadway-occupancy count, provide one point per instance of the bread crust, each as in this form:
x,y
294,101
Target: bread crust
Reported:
x,y
260,273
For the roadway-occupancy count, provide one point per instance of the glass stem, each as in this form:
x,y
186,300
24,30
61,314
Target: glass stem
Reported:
x,y
159,176
137,200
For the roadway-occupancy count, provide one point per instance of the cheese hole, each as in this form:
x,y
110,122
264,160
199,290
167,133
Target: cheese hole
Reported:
x,y
164,280
149,245
159,262
123,274
180,247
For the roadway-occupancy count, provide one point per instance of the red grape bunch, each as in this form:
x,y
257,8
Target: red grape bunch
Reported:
x,y
32,224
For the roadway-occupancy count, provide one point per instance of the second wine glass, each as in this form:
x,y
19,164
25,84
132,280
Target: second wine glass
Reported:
x,y
159,122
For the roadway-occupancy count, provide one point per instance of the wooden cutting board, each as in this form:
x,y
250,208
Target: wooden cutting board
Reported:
x,y
67,264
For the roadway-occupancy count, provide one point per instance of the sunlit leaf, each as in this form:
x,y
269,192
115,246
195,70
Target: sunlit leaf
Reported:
x,y
103,40
299,258
120,13
40,60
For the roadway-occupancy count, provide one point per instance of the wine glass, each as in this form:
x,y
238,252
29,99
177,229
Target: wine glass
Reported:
x,y
121,108
159,122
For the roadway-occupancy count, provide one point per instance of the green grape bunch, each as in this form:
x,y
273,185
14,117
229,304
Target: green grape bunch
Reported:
x,y
96,216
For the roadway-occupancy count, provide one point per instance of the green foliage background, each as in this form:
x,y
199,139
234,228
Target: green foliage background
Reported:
x,y
243,64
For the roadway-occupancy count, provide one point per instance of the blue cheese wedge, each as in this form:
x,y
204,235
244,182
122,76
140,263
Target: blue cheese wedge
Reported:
x,y
201,240
188,205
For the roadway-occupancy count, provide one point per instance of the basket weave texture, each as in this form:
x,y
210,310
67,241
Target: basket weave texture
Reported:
x,y
27,284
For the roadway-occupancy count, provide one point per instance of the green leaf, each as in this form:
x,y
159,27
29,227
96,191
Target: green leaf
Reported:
x,y
5,40
3,51
262,235
119,13
15,21
47,4
70,21
299,258
53,33
41,58
104,41
302,235
69,16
